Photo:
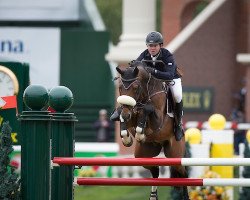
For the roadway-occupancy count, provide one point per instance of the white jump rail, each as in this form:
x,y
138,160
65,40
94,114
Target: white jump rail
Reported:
x,y
164,181
101,161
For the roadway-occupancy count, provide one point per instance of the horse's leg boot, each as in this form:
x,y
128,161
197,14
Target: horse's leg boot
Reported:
x,y
116,114
153,196
179,133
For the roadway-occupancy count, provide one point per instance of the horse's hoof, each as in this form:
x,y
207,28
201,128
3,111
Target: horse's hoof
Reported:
x,y
124,133
153,196
127,141
140,137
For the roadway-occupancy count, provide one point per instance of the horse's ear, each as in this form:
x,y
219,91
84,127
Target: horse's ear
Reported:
x,y
119,70
136,71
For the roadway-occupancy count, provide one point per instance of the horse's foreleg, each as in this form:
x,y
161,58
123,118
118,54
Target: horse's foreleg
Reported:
x,y
147,110
155,174
125,136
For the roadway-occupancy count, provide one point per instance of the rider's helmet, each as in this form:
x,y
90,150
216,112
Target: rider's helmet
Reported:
x,y
154,38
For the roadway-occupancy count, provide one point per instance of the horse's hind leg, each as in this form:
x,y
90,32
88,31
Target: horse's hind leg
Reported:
x,y
185,193
182,191
176,149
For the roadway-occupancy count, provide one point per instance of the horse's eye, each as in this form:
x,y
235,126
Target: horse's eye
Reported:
x,y
135,86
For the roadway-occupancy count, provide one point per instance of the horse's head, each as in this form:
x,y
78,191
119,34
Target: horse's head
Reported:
x,y
132,86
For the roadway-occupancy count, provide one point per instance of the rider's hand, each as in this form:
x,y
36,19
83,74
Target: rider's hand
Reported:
x,y
151,70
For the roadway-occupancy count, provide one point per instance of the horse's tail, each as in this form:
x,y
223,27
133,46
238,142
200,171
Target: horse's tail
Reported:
x,y
187,155
174,173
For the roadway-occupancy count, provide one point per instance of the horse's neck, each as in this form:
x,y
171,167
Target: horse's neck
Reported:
x,y
155,85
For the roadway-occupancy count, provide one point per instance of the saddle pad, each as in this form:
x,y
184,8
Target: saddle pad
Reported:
x,y
170,112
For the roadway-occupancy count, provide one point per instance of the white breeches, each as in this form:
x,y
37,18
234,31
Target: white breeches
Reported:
x,y
176,90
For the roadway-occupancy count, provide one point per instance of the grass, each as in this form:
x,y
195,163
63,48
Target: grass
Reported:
x,y
124,192
127,192
118,192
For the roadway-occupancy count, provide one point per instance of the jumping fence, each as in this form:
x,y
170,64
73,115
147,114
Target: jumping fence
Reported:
x,y
48,140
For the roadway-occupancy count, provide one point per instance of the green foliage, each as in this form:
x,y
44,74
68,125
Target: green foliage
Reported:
x,y
245,194
200,7
9,182
158,15
111,12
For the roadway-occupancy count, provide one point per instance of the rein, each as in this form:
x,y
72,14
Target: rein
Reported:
x,y
156,93
150,91
139,104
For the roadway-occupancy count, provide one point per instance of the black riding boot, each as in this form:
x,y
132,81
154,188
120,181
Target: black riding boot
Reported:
x,y
178,123
116,114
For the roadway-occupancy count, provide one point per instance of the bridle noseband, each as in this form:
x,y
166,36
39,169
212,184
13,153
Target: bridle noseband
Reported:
x,y
133,80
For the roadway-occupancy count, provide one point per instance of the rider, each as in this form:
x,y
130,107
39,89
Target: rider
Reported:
x,y
156,52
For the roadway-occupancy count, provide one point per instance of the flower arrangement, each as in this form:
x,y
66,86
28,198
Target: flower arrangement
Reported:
x,y
209,192
87,172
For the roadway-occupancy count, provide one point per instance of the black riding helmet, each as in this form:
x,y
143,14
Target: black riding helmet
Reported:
x,y
154,38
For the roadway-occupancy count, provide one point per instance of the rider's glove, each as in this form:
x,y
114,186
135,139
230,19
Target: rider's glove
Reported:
x,y
151,70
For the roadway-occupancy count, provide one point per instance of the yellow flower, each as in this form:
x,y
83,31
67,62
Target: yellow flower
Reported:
x,y
208,192
205,191
208,174
89,172
199,198
193,194
219,190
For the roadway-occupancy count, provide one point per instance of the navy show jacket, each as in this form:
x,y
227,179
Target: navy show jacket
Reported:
x,y
165,72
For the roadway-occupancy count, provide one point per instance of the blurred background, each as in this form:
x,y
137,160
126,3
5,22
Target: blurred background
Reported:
x,y
79,43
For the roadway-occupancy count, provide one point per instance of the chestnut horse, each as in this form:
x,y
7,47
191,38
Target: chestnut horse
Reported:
x,y
143,115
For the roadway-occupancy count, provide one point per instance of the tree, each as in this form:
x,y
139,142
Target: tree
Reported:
x,y
9,181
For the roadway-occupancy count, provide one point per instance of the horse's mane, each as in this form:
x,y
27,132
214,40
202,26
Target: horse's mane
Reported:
x,y
142,66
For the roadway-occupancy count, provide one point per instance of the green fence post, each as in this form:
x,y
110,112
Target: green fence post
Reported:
x,y
63,131
35,151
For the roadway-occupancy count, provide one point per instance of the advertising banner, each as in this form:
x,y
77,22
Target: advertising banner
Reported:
x,y
39,47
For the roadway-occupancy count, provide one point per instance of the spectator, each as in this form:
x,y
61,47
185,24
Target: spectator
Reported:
x,y
237,116
103,127
241,96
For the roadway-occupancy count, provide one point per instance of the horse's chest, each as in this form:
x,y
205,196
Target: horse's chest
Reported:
x,y
157,137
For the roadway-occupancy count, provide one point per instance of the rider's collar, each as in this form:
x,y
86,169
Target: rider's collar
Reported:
x,y
159,55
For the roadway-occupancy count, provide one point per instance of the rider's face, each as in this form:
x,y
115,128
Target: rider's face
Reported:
x,y
154,49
